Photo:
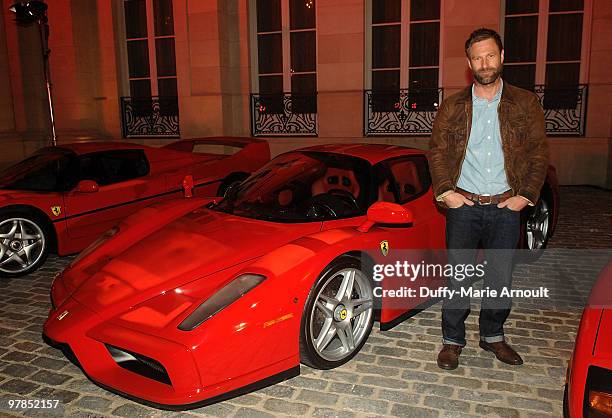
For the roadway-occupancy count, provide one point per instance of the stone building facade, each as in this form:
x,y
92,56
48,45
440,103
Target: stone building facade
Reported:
x,y
300,72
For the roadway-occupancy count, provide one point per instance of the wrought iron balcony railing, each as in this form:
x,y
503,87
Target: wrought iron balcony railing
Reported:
x,y
146,117
284,114
401,112
412,112
564,109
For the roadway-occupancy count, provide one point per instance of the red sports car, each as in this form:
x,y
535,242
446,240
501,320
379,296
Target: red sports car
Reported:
x,y
588,392
193,301
62,198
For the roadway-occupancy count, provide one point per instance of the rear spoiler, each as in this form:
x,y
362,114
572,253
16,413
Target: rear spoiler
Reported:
x,y
188,144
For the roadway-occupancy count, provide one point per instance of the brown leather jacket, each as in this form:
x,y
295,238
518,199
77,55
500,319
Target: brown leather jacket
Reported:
x,y
523,134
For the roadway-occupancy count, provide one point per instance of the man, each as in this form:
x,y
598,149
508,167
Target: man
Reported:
x,y
488,159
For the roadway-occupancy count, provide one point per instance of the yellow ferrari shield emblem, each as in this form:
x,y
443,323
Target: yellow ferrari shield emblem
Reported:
x,y
56,210
384,247
343,314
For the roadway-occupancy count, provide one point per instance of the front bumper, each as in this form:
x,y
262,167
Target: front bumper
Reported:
x,y
89,343
100,349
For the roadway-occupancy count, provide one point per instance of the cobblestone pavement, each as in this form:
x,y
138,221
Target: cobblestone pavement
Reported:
x,y
395,373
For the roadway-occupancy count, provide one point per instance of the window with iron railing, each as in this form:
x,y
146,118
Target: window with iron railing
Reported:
x,y
284,79
402,66
546,50
151,107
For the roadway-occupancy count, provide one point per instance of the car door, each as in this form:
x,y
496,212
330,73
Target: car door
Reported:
x,y
405,180
124,186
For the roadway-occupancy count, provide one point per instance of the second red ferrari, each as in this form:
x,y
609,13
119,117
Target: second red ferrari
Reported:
x,y
62,198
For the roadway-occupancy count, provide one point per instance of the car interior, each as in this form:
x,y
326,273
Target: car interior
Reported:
x,y
407,183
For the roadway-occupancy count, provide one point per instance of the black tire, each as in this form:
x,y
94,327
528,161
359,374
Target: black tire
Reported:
x,y
360,323
535,230
566,413
21,255
231,181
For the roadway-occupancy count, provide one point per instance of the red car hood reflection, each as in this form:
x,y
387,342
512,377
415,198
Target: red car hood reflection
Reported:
x,y
194,246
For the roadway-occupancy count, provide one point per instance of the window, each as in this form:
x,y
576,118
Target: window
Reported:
x,y
404,53
113,167
48,170
546,50
149,32
403,179
303,187
544,42
286,54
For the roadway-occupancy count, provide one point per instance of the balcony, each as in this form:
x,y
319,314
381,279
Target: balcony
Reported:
x,y
412,112
284,114
564,109
401,112
150,117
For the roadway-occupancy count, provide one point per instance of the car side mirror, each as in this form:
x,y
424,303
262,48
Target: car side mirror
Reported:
x,y
386,213
87,186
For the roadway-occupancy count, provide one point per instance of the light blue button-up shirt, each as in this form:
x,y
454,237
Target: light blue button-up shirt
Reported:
x,y
483,170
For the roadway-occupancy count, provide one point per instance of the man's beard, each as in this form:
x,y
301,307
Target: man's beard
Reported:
x,y
492,74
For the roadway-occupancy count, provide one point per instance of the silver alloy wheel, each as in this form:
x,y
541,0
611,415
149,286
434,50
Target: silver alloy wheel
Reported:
x,y
537,226
22,244
341,314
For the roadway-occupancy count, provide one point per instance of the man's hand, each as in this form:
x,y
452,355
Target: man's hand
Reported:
x,y
455,200
515,203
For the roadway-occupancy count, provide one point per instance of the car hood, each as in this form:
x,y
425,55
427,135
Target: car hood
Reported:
x,y
193,246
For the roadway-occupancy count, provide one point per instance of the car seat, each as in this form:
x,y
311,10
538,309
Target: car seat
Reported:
x,y
336,178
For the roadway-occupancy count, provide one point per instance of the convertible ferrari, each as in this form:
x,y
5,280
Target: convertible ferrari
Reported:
x,y
62,198
194,301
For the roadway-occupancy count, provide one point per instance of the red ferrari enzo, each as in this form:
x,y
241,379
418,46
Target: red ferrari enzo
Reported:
x,y
194,301
62,198
588,392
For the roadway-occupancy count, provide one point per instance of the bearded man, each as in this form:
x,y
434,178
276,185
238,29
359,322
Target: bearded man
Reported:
x,y
488,159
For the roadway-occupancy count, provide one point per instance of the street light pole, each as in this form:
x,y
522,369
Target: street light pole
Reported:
x,y
35,11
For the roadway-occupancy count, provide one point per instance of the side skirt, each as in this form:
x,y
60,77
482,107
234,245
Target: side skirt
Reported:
x,y
385,326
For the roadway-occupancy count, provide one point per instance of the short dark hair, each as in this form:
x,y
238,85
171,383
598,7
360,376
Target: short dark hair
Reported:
x,y
480,35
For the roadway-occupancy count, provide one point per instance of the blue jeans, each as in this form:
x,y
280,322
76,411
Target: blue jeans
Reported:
x,y
497,230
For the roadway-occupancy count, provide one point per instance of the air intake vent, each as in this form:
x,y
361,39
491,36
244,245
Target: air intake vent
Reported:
x,y
139,364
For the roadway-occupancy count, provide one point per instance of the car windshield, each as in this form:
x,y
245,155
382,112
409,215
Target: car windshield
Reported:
x,y
302,187
45,171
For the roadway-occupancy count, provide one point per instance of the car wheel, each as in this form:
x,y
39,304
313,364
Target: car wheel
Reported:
x,y
24,244
537,228
338,315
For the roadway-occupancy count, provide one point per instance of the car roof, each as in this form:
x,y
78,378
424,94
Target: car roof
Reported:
x,y
373,153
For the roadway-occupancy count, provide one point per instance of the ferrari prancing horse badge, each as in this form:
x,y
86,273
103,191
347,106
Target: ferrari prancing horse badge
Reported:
x,y
384,247
56,210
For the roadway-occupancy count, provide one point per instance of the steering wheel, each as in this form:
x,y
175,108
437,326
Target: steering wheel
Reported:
x,y
346,196
333,203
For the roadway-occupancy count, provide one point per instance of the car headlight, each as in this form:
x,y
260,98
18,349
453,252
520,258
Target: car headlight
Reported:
x,y
598,393
221,299
94,245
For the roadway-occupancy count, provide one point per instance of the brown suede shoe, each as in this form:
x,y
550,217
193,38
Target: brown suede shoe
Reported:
x,y
448,358
503,352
